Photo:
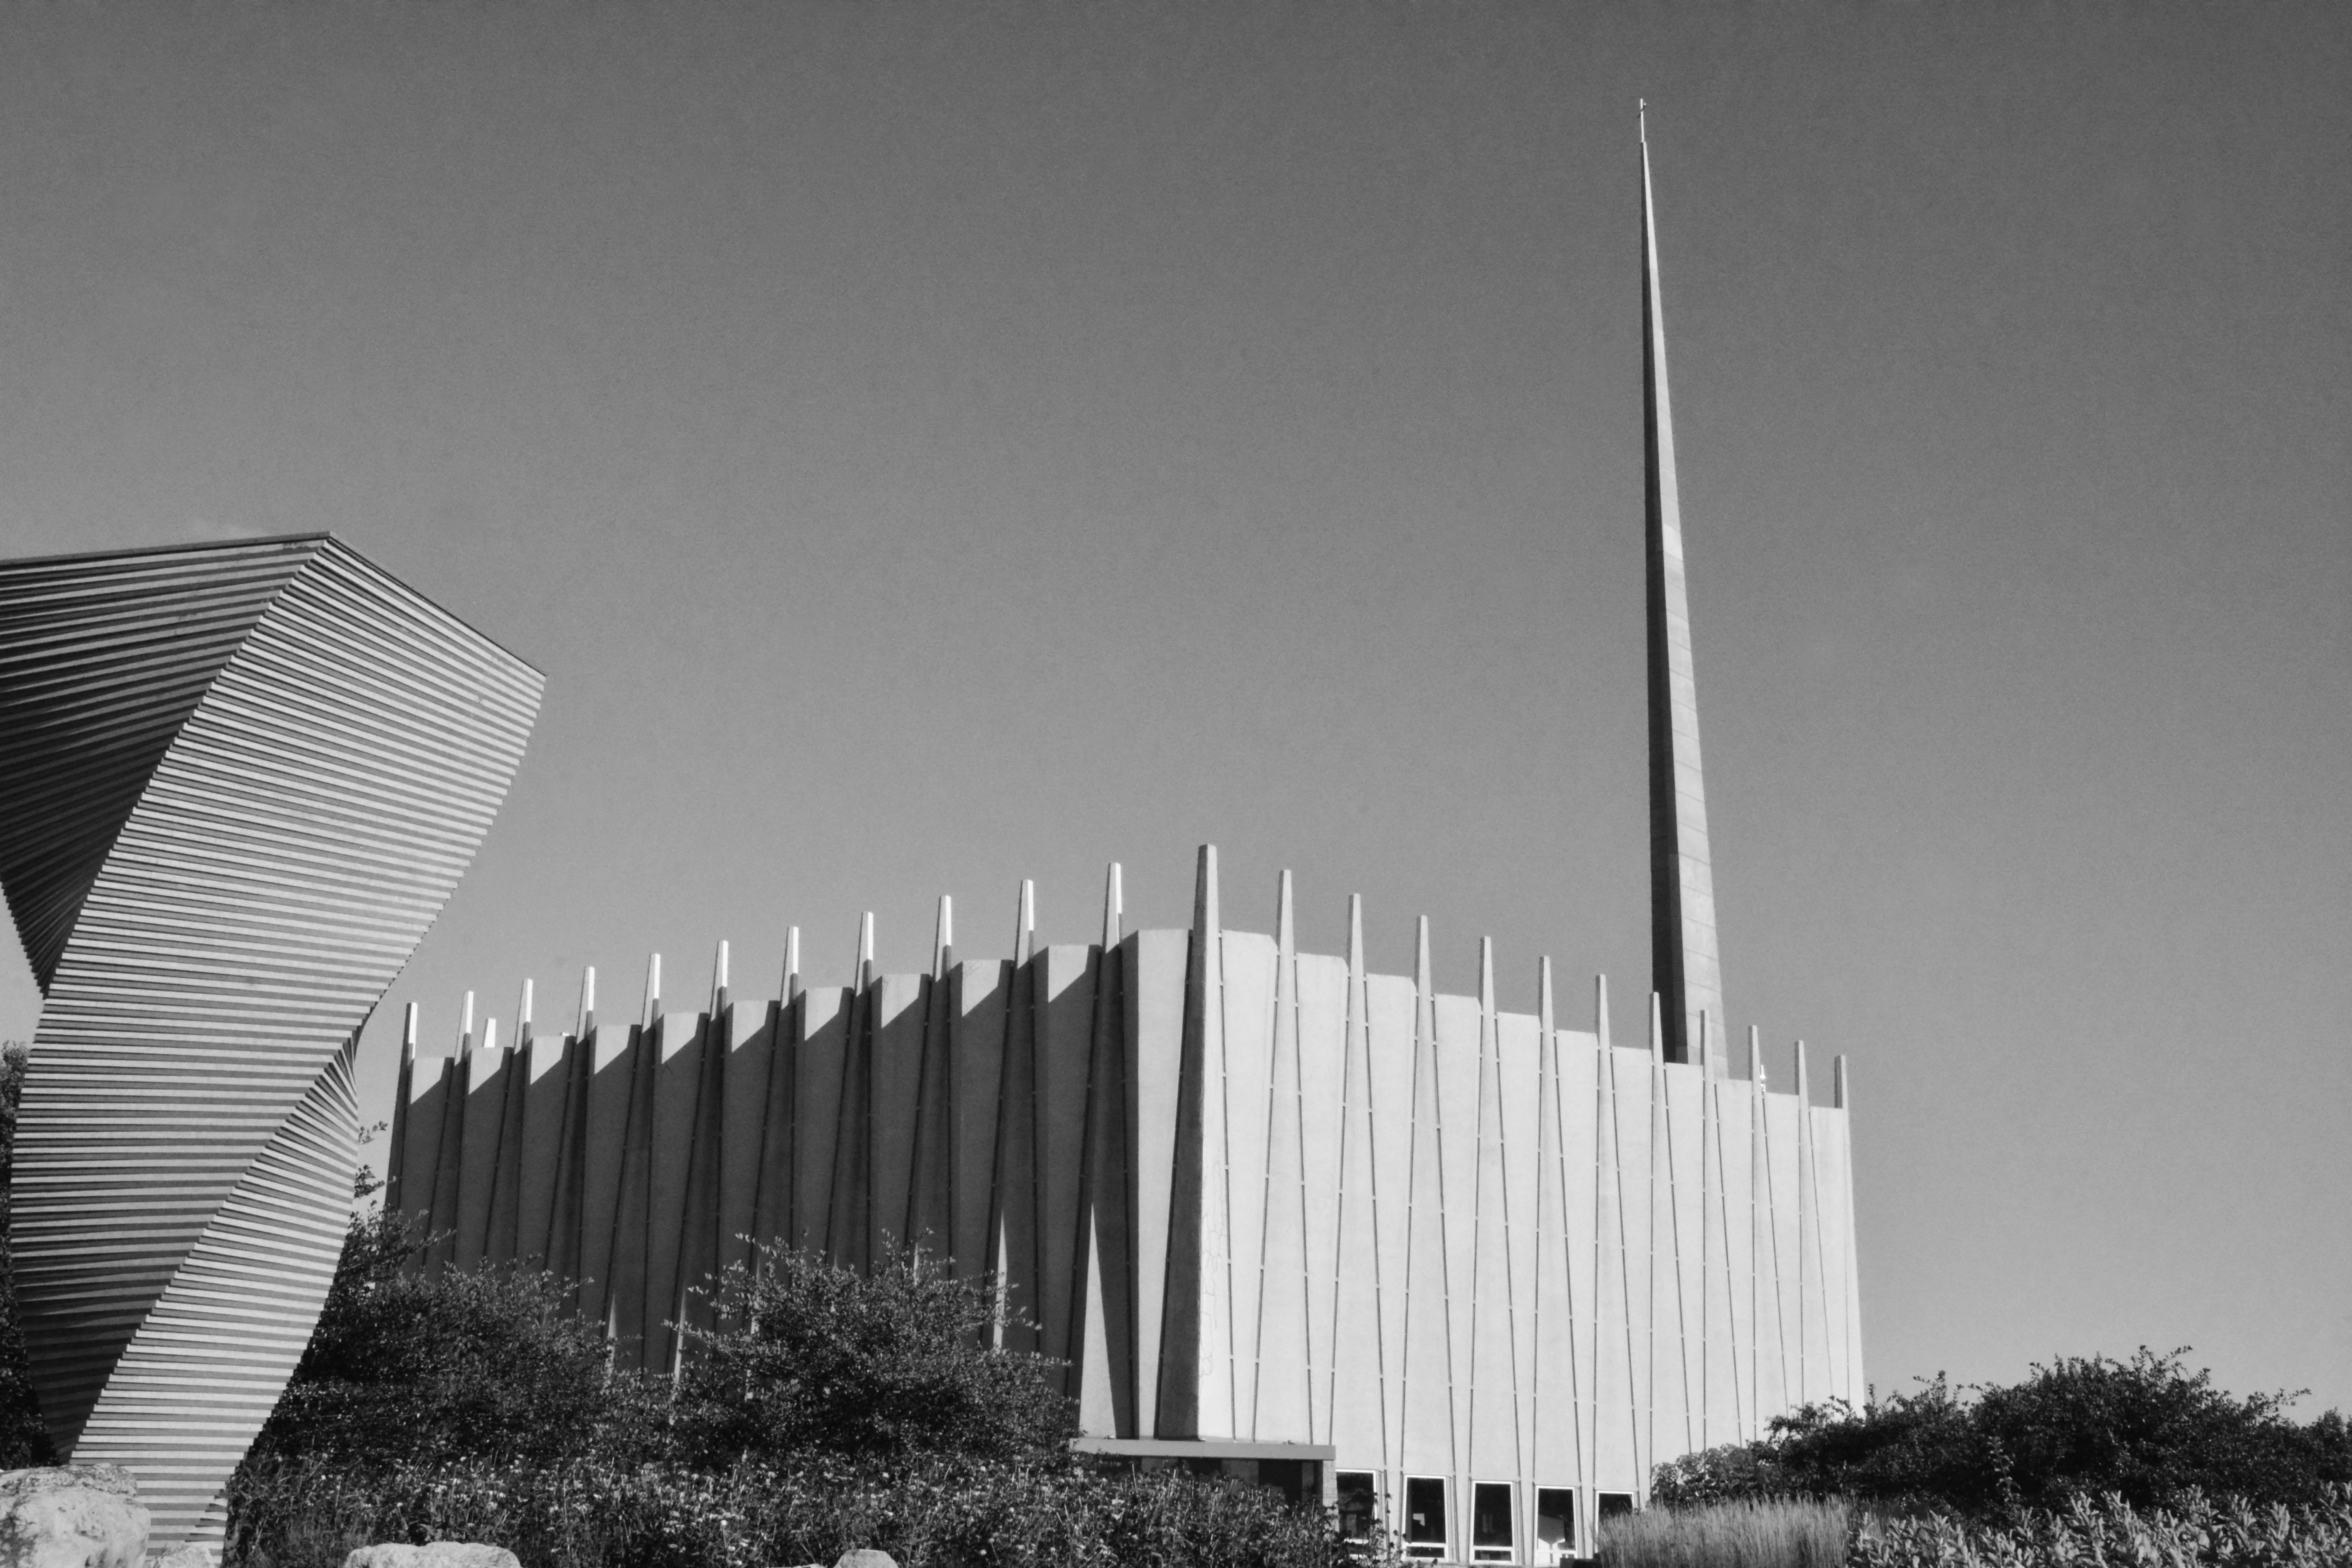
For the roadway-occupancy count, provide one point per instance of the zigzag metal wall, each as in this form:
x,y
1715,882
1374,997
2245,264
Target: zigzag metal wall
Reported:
x,y
237,782
1247,1193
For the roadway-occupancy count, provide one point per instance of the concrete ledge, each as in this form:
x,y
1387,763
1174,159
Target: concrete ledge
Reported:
x,y
1202,1448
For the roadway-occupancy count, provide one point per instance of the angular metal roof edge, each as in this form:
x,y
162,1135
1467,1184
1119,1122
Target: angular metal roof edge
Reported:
x,y
283,541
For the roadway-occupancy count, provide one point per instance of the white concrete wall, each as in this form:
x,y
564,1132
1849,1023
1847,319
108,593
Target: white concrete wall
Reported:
x,y
1244,1193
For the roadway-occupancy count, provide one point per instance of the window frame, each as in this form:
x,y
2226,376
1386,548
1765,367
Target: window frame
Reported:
x,y
1374,1514
1563,1550
1508,1549
1440,1548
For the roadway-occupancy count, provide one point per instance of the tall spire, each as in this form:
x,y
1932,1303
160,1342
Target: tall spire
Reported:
x,y
1683,967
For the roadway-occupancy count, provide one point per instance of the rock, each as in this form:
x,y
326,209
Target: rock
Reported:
x,y
187,1554
865,1557
432,1554
71,1516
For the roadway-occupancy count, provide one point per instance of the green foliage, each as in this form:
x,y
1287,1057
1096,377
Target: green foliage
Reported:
x,y
2197,1533
467,1365
882,1369
832,1410
573,1513
1920,1444
24,1440
1792,1532
2146,1430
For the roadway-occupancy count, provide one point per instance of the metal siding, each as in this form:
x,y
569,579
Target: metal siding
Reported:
x,y
251,776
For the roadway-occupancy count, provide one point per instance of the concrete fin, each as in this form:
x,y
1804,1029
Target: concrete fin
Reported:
x,y
1281,1346
1430,1443
1104,1312
930,1221
1492,1373
1195,1388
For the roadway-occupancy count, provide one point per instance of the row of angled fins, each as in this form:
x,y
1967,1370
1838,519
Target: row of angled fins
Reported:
x,y
1244,1193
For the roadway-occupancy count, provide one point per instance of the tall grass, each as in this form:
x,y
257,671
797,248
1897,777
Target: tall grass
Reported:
x,y
2195,1533
1792,1534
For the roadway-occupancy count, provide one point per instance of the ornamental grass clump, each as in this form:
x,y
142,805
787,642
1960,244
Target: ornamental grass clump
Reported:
x,y
1784,1533
2110,1532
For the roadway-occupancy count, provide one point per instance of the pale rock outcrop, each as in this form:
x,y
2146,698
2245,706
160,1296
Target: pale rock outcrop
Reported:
x,y
432,1554
71,1516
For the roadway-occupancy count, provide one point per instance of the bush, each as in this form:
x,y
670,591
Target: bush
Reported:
x,y
1785,1533
462,1365
2151,1431
1907,1446
832,1410
884,1369
590,1511
2147,1430
2197,1534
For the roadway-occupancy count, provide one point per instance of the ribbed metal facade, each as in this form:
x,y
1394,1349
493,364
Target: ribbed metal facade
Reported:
x,y
237,783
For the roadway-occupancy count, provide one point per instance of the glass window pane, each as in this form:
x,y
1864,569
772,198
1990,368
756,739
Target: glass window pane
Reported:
x,y
1555,1525
1359,1505
1289,1477
1490,1521
1425,1514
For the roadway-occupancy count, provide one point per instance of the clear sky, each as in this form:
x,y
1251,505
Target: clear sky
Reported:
x,y
927,446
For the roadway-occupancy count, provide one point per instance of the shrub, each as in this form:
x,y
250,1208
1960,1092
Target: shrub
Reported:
x,y
2150,1431
1915,1445
881,1369
574,1513
2147,1430
463,1365
1784,1533
832,1410
2196,1534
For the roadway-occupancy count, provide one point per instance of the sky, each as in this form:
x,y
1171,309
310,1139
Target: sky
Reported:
x,y
930,445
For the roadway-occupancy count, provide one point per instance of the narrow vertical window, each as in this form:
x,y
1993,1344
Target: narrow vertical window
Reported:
x,y
1490,1522
1425,1516
1555,1525
1359,1505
